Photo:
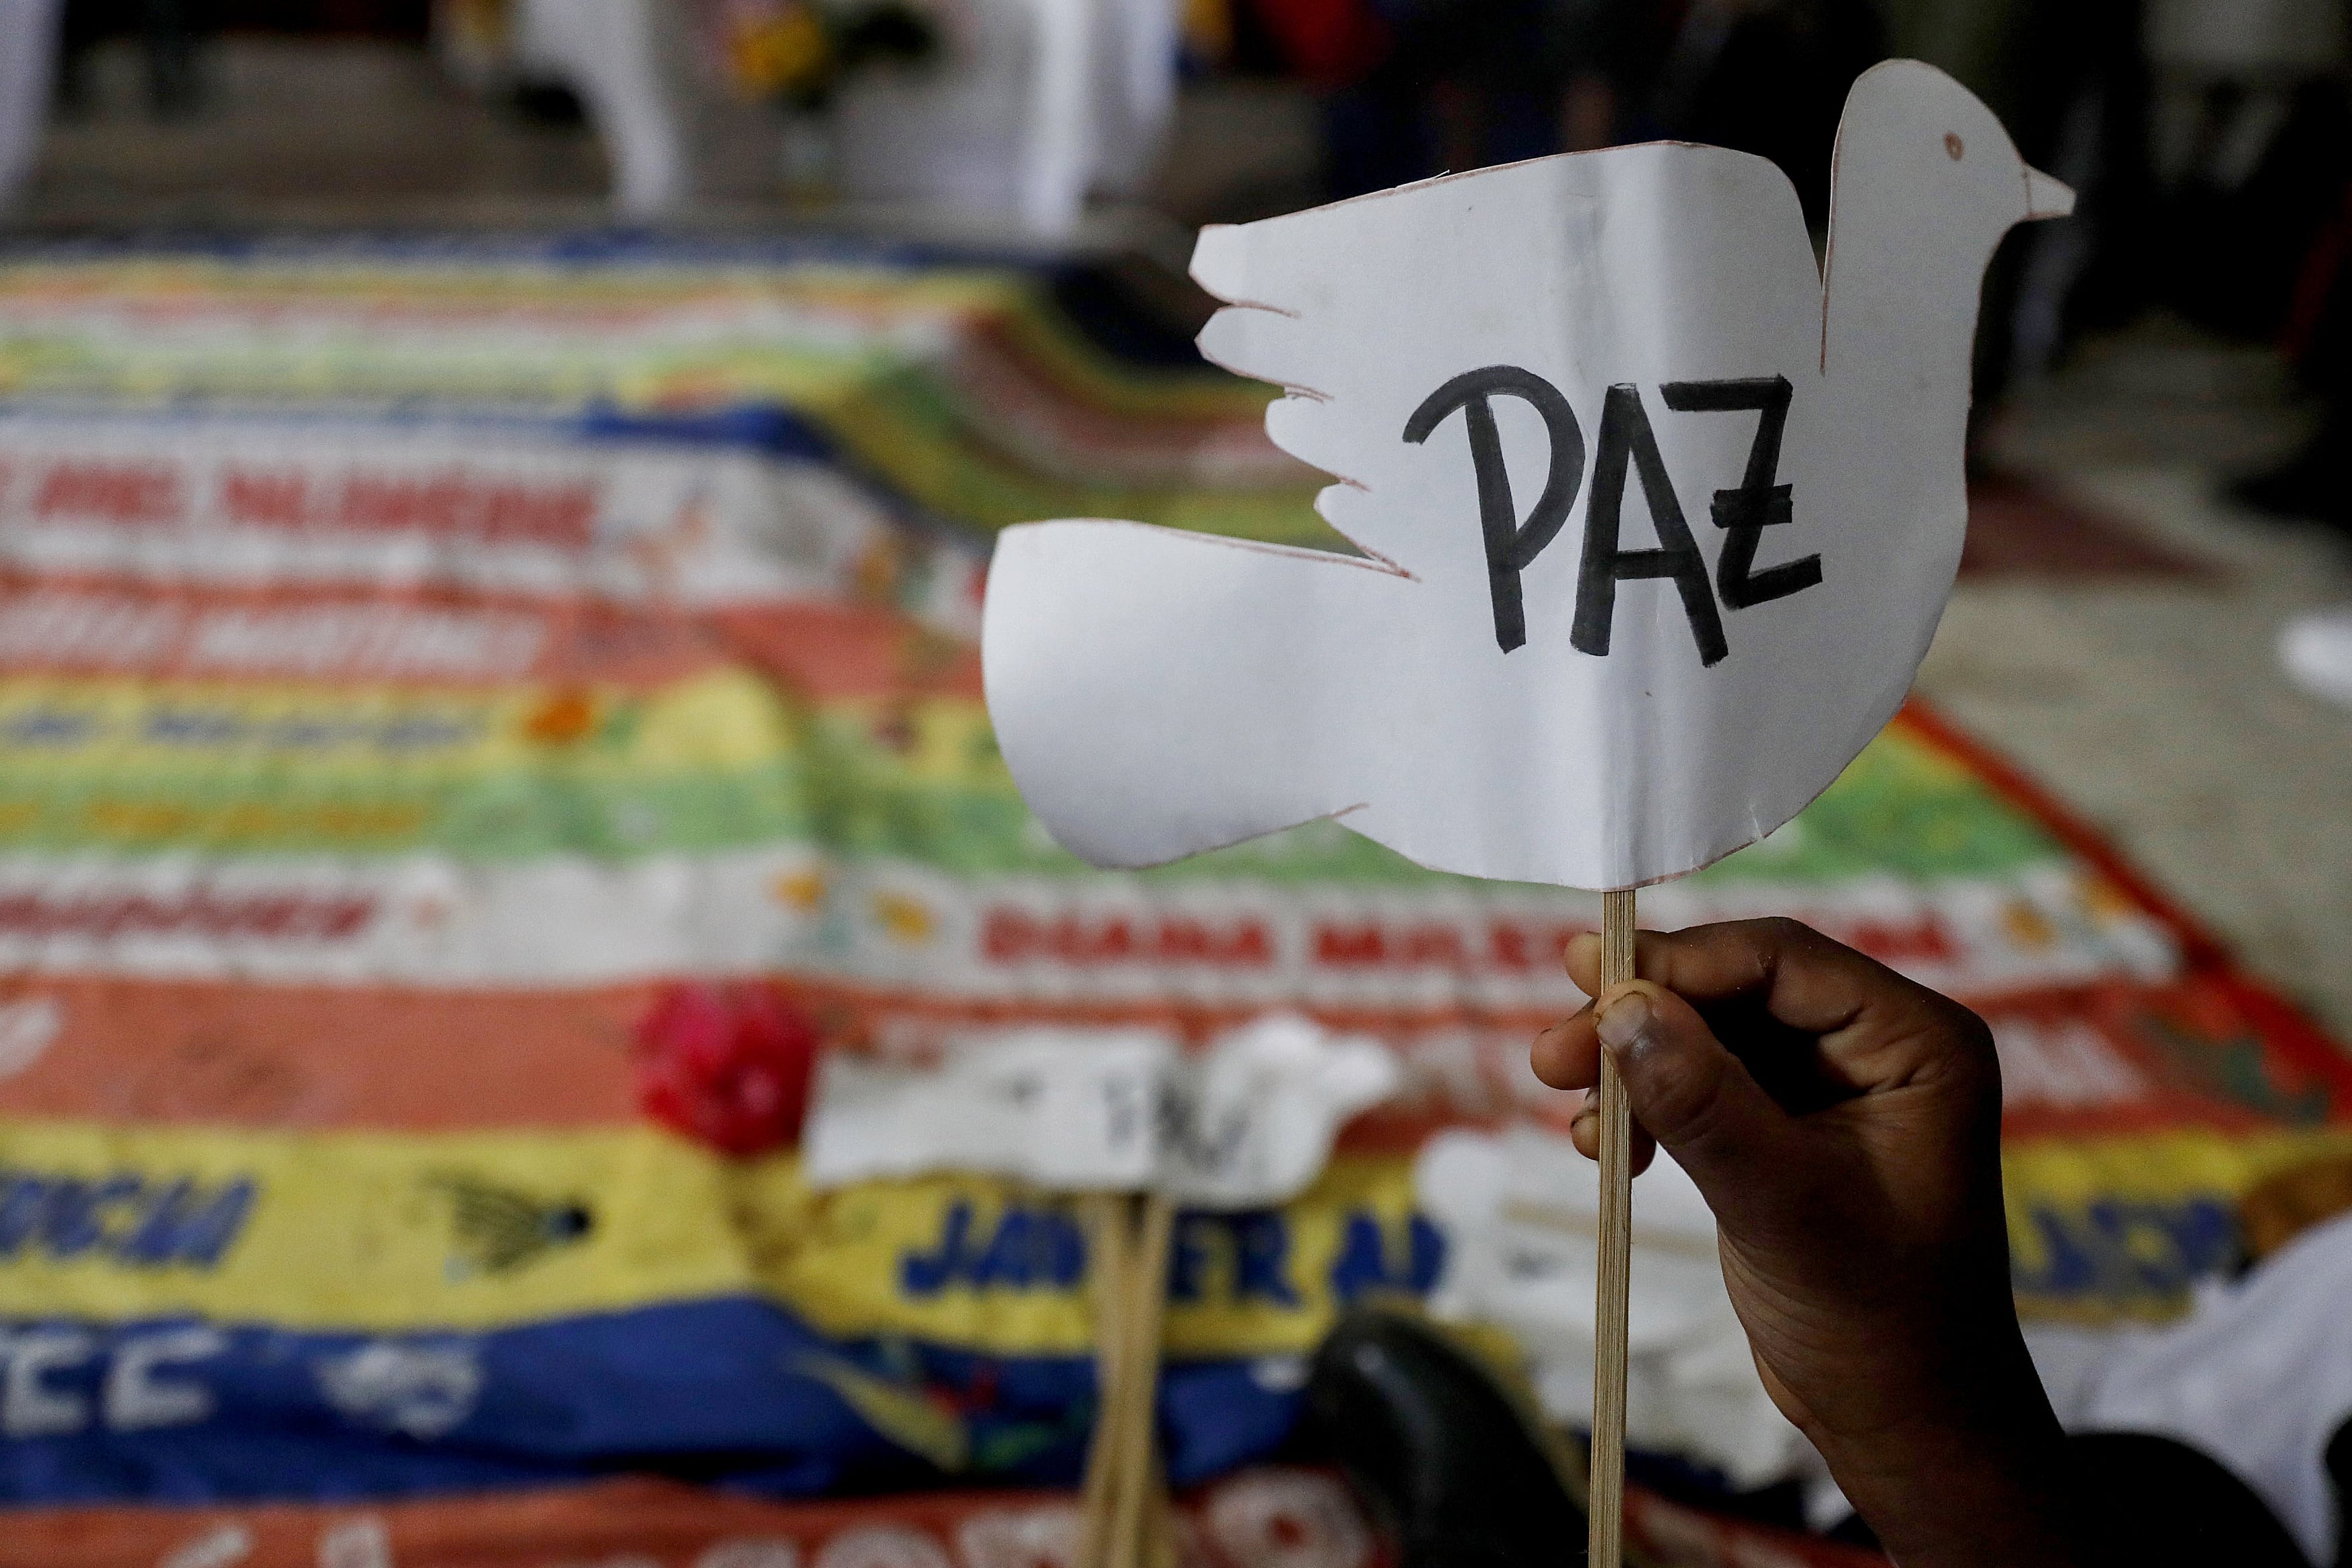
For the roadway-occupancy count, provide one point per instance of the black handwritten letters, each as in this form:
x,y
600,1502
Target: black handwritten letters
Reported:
x,y
1626,440
1511,546
1744,513
1625,431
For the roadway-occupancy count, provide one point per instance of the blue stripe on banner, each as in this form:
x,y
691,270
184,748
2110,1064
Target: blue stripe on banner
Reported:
x,y
733,1391
603,246
767,428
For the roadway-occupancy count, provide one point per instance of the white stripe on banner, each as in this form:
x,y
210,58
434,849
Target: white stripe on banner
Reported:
x,y
1108,939
501,506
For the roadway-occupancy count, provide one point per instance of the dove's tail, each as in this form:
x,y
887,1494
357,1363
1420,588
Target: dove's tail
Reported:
x,y
1158,692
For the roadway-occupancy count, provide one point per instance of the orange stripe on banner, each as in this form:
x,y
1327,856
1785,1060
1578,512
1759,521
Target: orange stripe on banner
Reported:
x,y
833,652
227,1053
2208,1053
315,1057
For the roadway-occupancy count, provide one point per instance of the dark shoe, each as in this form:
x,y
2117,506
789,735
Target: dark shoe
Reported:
x,y
1438,1448
2152,1502
2312,485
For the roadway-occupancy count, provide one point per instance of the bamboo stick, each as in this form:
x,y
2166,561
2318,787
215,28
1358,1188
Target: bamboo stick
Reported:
x,y
1111,1234
1606,1498
1139,1471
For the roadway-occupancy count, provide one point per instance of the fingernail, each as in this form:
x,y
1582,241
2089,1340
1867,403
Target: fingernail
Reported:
x,y
1624,1027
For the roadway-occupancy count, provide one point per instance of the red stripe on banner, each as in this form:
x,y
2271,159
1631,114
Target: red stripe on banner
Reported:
x,y
2199,947
1258,1519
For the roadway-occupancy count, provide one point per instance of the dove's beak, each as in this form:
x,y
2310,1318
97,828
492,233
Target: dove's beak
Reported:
x,y
2046,197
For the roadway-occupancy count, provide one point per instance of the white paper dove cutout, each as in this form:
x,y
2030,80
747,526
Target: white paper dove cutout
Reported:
x,y
1658,523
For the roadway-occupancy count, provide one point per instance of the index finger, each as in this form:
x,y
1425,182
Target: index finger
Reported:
x,y
1800,978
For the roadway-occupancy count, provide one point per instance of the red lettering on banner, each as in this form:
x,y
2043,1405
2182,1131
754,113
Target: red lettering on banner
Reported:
x,y
449,505
1110,943
1184,941
1507,947
1349,946
137,494
455,505
1005,937
557,515
1012,936
400,506
1504,944
1433,944
287,916
1251,947
265,498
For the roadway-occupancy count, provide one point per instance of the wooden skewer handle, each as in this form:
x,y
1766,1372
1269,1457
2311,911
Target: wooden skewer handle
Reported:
x,y
1112,1231
1605,1497
1134,1514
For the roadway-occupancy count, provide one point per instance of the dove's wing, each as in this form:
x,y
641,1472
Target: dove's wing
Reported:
x,y
1636,264
1139,736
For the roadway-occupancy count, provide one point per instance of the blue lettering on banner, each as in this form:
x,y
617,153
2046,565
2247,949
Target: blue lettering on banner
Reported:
x,y
1253,1243
1029,1249
124,1218
1365,1264
1238,1257
2125,1249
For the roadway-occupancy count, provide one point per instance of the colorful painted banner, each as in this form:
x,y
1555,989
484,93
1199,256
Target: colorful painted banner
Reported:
x,y
471,725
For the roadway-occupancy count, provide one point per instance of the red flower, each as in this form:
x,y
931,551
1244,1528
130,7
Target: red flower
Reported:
x,y
726,1063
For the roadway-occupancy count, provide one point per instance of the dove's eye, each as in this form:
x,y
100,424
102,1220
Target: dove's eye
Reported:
x,y
1954,145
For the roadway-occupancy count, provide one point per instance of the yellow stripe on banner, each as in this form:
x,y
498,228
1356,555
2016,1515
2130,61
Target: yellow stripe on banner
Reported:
x,y
965,1261
363,1232
391,1232
2158,1166
2105,1227
726,718
376,1232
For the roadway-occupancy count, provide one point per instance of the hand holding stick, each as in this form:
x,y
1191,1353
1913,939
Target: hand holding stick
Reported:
x,y
1856,1182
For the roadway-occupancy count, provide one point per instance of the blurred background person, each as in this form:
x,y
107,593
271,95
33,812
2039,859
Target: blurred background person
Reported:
x,y
27,50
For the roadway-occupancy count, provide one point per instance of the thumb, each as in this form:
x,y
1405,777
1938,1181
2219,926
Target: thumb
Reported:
x,y
1691,1094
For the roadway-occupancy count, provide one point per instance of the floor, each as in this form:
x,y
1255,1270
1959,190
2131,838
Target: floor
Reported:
x,y
2154,704
2151,701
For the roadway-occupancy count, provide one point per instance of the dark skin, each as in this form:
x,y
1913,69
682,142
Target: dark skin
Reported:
x,y
1844,1125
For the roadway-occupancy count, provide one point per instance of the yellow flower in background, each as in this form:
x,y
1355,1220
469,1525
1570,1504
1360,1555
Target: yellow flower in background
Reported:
x,y
906,918
801,889
564,717
781,50
2027,926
